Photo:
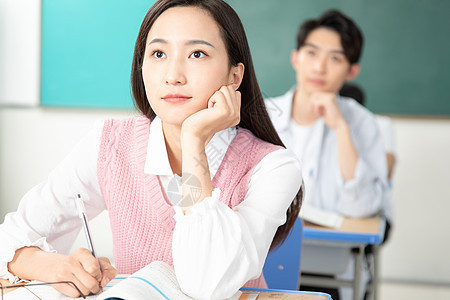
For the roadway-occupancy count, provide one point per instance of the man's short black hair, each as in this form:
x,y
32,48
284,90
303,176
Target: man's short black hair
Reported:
x,y
353,91
351,36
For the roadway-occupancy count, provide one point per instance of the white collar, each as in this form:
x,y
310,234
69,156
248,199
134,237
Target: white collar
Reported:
x,y
280,108
157,161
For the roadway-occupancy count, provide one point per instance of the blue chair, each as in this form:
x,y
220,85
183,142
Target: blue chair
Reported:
x,y
282,267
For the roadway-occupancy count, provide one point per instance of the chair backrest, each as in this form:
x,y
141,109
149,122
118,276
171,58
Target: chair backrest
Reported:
x,y
282,267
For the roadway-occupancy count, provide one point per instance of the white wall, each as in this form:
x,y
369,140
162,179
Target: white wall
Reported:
x,y
20,34
420,245
33,141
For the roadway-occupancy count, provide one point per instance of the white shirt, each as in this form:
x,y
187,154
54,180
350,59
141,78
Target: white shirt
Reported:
x,y
47,218
387,133
302,136
325,187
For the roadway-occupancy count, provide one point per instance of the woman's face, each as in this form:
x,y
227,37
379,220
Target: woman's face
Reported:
x,y
185,62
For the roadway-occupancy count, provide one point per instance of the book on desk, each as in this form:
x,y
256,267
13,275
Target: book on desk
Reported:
x,y
320,217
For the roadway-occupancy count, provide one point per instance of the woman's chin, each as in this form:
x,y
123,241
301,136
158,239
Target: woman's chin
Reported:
x,y
174,121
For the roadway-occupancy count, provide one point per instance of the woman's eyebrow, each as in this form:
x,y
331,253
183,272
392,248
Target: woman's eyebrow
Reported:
x,y
201,42
188,43
158,40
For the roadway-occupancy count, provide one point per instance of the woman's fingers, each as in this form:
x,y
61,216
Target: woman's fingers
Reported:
x,y
71,272
81,268
232,97
223,111
69,290
90,264
108,271
230,104
90,284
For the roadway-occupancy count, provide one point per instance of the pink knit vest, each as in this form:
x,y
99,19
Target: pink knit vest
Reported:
x,y
141,217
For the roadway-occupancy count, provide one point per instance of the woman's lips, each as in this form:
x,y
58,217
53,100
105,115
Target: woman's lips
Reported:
x,y
175,98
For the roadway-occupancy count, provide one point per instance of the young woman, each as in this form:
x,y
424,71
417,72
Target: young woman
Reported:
x,y
240,188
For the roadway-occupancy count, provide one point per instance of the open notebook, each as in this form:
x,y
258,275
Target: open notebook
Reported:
x,y
155,281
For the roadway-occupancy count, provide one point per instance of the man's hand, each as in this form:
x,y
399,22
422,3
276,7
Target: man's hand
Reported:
x,y
325,105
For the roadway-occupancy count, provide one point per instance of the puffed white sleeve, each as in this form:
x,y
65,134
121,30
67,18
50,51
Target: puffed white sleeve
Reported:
x,y
47,216
215,249
363,195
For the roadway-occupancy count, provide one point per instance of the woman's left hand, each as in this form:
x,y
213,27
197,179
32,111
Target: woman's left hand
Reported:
x,y
223,111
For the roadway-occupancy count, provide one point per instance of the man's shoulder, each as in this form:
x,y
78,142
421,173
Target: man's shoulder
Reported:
x,y
279,108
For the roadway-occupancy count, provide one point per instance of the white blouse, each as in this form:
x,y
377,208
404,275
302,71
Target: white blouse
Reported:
x,y
46,217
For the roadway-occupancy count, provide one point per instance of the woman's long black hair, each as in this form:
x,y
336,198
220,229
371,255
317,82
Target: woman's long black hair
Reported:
x,y
254,116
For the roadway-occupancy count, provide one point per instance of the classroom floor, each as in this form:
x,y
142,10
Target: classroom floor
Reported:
x,y
403,291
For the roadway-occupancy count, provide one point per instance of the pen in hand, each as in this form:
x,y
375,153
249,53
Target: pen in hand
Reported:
x,y
82,214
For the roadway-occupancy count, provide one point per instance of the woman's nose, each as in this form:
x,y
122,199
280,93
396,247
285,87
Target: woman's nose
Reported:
x,y
175,73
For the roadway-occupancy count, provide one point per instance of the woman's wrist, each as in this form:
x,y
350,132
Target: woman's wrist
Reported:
x,y
195,170
190,138
195,142
32,263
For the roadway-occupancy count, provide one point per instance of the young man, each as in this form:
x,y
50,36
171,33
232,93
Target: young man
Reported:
x,y
336,139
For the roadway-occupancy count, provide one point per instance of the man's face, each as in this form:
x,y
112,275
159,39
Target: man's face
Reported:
x,y
320,63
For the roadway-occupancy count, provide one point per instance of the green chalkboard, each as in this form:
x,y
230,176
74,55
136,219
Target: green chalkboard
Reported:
x,y
87,48
405,61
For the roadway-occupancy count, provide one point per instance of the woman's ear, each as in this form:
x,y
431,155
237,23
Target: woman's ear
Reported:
x,y
236,75
355,68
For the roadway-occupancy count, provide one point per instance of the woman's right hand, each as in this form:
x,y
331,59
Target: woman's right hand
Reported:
x,y
80,267
85,271
223,111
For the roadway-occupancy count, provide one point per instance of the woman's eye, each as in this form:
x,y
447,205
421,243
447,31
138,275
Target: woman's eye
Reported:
x,y
158,54
197,54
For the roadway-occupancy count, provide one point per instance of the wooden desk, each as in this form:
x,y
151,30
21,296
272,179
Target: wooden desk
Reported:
x,y
328,251
266,294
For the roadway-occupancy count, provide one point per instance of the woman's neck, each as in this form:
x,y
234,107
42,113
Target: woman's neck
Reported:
x,y
172,136
302,113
